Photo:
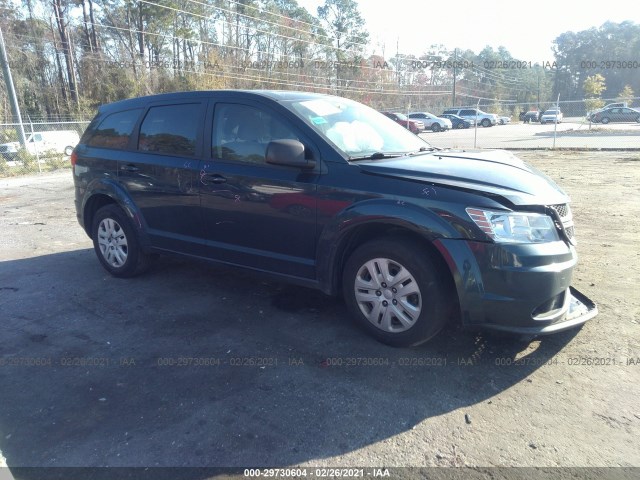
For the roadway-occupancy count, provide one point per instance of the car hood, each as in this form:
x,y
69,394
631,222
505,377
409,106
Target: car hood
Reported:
x,y
491,173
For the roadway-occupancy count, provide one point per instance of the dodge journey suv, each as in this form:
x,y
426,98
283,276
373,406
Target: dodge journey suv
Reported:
x,y
328,193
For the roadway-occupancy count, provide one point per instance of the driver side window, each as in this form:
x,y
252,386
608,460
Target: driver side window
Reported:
x,y
241,133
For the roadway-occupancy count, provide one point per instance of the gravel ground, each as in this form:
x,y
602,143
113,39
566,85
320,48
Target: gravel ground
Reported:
x,y
97,371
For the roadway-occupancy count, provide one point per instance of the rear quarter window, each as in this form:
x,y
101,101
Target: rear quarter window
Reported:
x,y
114,131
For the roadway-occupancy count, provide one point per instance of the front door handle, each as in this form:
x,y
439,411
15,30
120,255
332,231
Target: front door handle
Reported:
x,y
129,168
213,178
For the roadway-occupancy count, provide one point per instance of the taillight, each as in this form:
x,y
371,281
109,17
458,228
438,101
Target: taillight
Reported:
x,y
74,158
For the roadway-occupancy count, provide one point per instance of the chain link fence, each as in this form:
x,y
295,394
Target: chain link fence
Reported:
x,y
582,124
519,126
44,147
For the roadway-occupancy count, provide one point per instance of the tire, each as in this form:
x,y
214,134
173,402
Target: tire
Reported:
x,y
605,120
485,123
409,318
435,127
460,126
116,243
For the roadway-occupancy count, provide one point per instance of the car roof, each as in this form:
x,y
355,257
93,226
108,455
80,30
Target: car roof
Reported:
x,y
275,95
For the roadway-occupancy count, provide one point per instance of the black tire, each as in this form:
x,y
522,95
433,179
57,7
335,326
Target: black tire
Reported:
x,y
461,126
435,127
424,313
605,120
116,243
485,123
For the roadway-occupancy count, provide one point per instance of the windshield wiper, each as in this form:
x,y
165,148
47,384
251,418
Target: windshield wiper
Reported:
x,y
383,155
377,156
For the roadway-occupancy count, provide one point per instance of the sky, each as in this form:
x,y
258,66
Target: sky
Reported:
x,y
526,29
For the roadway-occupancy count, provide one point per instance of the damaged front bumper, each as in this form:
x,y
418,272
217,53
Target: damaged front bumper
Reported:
x,y
577,310
523,289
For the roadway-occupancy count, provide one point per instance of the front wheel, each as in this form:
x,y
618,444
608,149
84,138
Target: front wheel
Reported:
x,y
605,120
116,243
435,127
396,292
486,123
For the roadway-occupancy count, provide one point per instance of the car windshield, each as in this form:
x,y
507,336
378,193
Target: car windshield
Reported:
x,y
357,130
551,112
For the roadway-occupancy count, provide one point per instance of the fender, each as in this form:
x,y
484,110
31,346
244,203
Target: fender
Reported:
x,y
111,188
401,214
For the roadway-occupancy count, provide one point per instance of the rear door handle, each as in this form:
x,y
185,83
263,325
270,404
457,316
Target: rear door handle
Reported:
x,y
129,168
213,178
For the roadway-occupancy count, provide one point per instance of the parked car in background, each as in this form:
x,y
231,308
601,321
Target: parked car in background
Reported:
x,y
326,192
43,143
9,152
531,116
551,116
431,122
615,114
483,118
503,120
458,122
415,126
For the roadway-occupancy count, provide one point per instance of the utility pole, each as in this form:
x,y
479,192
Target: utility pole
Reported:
x,y
455,60
11,91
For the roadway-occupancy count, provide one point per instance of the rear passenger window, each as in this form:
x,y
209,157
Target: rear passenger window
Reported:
x,y
171,129
115,130
242,133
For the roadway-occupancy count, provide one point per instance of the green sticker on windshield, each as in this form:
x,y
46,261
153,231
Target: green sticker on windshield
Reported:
x,y
318,120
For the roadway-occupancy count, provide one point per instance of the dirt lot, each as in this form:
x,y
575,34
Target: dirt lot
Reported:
x,y
196,365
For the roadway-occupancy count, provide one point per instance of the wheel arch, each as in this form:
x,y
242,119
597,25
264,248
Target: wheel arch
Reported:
x,y
333,257
101,193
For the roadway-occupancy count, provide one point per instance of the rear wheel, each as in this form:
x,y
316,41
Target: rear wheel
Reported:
x,y
396,292
116,243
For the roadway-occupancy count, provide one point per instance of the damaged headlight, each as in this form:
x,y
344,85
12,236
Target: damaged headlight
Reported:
x,y
515,227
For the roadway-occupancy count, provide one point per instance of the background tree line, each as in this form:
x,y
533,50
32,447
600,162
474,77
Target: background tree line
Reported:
x,y
69,56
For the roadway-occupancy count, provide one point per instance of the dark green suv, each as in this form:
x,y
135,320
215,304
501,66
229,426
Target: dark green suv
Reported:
x,y
328,193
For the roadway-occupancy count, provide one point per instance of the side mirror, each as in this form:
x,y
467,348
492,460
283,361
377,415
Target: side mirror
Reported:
x,y
289,153
68,150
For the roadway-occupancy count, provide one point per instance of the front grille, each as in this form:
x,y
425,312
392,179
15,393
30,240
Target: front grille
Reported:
x,y
564,211
570,232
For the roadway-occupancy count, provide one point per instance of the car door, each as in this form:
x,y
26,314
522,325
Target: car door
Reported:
x,y
255,214
160,174
628,115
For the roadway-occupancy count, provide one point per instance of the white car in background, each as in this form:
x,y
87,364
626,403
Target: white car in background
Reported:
x,y
552,115
431,122
51,142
